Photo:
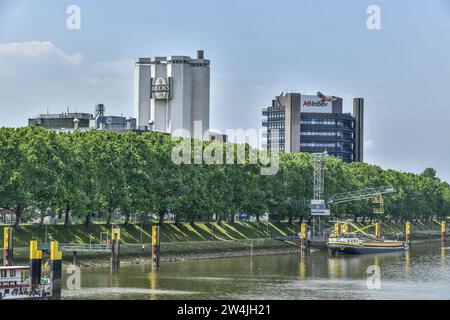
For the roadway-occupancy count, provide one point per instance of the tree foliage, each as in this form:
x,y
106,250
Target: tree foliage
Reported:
x,y
94,173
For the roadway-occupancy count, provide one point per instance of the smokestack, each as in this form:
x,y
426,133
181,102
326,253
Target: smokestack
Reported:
x,y
200,54
128,123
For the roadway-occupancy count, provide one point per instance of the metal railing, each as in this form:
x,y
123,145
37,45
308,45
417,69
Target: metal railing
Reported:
x,y
73,247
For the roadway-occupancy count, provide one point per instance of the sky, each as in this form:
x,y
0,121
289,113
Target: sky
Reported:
x,y
257,49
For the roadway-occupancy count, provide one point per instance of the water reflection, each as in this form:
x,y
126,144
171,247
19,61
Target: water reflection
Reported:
x,y
334,267
302,267
407,263
153,284
114,279
315,276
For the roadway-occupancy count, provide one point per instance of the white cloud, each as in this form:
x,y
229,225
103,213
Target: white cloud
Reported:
x,y
40,75
35,49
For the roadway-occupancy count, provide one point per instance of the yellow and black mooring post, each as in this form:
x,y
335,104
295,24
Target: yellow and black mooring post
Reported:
x,y
115,248
344,229
408,233
443,231
35,265
378,230
337,229
156,245
304,245
8,246
56,271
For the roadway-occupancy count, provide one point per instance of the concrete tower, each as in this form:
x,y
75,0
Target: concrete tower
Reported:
x,y
174,92
142,87
358,113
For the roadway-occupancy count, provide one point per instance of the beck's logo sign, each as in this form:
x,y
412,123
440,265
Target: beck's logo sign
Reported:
x,y
160,88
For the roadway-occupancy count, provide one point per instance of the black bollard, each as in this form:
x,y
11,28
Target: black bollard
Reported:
x,y
8,248
56,271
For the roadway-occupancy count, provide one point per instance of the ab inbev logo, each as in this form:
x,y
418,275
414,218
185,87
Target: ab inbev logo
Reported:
x,y
314,104
310,103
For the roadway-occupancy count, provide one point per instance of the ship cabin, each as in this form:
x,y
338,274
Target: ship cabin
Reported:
x,y
12,280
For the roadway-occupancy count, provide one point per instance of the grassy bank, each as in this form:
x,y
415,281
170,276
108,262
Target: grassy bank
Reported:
x,y
185,241
133,233
201,240
184,232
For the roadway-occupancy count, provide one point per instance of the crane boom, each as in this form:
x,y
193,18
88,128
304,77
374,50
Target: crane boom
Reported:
x,y
363,194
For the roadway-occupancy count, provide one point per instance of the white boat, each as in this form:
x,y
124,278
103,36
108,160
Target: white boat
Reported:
x,y
14,285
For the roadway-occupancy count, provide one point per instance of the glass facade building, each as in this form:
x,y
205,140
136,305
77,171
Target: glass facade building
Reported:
x,y
297,123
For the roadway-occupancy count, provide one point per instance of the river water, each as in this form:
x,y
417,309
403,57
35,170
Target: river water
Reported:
x,y
421,273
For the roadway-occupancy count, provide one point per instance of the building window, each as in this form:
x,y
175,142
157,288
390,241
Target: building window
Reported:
x,y
320,122
321,133
320,145
276,125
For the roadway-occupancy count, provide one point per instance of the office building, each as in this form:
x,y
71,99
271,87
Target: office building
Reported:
x,y
314,124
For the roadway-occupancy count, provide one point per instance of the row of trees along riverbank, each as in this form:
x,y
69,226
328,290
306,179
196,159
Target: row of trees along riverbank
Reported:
x,y
94,173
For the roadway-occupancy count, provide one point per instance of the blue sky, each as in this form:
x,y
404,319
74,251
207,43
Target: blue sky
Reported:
x,y
257,49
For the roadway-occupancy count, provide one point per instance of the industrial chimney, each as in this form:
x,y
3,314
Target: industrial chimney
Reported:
x,y
200,54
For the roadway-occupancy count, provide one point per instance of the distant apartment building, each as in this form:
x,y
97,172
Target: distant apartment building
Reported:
x,y
172,94
313,124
